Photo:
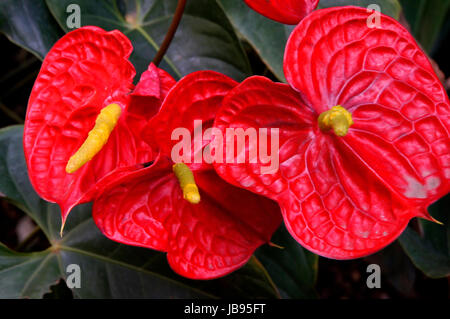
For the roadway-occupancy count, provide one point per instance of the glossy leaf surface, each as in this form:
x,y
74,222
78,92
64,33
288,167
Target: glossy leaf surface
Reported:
x,y
83,73
267,37
30,25
430,251
26,275
426,19
292,268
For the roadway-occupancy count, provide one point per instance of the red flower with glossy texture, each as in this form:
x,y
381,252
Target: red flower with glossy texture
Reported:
x,y
284,11
363,131
207,233
85,117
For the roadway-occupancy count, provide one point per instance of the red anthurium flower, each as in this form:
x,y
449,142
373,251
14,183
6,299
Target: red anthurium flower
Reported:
x,y
363,133
284,11
207,227
84,119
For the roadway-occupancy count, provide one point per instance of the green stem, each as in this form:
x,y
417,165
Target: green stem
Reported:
x,y
171,32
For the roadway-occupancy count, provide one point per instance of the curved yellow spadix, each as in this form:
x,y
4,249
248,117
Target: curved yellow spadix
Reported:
x,y
337,118
97,137
187,183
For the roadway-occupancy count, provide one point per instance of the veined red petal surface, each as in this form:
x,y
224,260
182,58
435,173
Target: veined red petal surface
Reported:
x,y
196,97
202,241
85,71
284,11
400,108
346,197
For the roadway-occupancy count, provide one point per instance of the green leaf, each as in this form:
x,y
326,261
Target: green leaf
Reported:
x,y
431,252
390,7
267,37
29,24
426,18
27,275
205,39
259,283
396,267
108,269
292,268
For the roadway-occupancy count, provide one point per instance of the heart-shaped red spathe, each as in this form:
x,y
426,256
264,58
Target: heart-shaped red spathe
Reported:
x,y
146,207
347,197
198,97
86,70
284,11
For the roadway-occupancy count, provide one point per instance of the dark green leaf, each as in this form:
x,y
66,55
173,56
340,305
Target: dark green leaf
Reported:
x,y
389,7
431,252
205,39
267,37
27,275
293,268
426,18
15,185
108,269
29,24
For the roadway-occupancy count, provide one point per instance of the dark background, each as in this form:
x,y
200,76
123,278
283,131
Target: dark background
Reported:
x,y
336,279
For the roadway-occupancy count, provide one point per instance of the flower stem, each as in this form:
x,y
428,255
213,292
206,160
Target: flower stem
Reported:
x,y
171,32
